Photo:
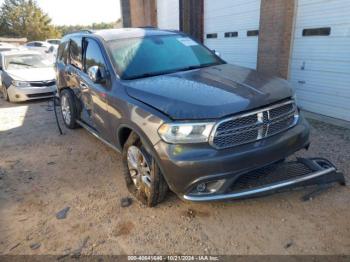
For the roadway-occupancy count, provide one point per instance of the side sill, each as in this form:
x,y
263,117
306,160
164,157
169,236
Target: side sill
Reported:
x,y
91,131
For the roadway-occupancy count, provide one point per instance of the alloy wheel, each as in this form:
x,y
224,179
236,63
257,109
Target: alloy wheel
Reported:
x,y
139,169
65,110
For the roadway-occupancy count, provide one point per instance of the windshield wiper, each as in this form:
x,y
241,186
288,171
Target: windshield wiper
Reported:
x,y
196,67
171,71
151,74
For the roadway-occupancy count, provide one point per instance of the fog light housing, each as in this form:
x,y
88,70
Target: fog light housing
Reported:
x,y
201,187
214,186
210,187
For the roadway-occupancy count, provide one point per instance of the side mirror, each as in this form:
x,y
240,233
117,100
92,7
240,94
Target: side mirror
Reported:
x,y
97,74
217,53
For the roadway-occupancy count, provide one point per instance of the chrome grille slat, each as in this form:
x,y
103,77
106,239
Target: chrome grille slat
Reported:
x,y
253,126
42,83
240,129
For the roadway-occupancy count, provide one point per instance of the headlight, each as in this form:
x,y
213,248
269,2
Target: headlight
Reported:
x,y
294,97
20,83
182,133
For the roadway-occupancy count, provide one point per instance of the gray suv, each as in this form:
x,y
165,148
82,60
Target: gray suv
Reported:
x,y
183,118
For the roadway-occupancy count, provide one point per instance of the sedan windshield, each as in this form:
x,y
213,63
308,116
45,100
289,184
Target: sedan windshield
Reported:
x,y
23,61
157,55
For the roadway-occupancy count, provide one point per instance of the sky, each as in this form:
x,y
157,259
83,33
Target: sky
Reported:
x,y
84,12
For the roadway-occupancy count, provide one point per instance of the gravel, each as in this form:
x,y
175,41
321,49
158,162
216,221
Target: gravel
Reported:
x,y
87,177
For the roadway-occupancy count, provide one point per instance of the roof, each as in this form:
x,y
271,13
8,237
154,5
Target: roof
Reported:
x,y
122,33
41,42
7,45
20,52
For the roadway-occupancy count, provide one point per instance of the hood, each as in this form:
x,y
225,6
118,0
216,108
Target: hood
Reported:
x,y
209,93
32,74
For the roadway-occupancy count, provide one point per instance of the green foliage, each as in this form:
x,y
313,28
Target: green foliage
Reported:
x,y
65,29
24,18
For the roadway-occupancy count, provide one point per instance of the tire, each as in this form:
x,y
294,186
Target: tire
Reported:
x,y
155,189
69,108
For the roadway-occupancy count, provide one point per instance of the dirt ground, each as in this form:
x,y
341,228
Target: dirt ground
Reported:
x,y
42,173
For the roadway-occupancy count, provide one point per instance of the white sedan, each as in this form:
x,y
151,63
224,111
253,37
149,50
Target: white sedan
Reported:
x,y
26,75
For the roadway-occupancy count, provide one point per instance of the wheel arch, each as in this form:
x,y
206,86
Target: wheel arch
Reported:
x,y
123,135
126,130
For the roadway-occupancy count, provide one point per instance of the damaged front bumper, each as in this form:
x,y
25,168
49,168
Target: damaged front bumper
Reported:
x,y
271,179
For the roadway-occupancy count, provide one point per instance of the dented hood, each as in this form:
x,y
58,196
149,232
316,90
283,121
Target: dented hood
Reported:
x,y
208,93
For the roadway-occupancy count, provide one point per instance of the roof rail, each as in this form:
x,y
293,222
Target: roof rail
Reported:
x,y
148,27
83,31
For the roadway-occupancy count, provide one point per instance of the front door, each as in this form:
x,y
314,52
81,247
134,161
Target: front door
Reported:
x,y
93,95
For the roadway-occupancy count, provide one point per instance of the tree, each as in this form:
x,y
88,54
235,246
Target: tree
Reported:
x,y
65,29
24,18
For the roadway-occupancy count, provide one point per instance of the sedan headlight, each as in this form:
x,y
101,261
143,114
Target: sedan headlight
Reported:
x,y
20,83
183,133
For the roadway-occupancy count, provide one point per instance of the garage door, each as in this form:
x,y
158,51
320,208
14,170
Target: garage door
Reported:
x,y
320,64
168,14
231,28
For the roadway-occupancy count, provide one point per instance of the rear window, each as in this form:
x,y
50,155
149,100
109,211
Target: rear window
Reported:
x,y
54,42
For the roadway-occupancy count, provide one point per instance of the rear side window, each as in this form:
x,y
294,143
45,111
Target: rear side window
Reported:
x,y
76,52
93,54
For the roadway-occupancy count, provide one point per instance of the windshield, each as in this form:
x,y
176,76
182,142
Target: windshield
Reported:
x,y
156,55
54,42
24,61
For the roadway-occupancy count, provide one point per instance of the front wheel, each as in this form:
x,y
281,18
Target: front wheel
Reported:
x,y
142,174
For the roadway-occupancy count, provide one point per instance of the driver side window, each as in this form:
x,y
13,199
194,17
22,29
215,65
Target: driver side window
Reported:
x,y
93,55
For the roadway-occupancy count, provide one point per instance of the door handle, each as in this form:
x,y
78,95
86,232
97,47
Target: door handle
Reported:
x,y
83,86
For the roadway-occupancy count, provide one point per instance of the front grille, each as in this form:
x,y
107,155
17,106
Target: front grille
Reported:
x,y
254,126
270,175
41,95
42,83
